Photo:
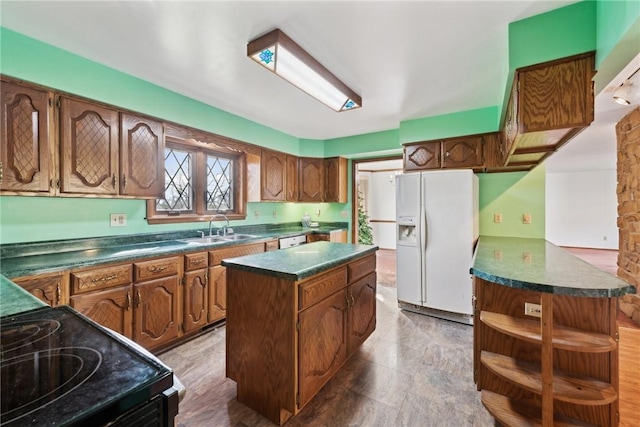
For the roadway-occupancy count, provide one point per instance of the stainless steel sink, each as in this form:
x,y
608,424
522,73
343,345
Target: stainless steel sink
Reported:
x,y
204,240
238,237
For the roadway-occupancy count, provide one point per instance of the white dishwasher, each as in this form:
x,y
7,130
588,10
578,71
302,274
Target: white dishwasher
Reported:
x,y
290,242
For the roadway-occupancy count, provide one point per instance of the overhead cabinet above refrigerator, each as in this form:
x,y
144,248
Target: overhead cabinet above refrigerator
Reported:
x,y
437,227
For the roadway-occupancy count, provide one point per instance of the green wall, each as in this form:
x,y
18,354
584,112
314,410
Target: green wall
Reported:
x,y
513,194
558,33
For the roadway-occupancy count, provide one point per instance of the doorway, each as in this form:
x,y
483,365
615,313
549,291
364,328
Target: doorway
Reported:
x,y
373,189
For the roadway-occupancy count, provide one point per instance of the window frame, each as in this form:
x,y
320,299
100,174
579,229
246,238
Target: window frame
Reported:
x,y
200,212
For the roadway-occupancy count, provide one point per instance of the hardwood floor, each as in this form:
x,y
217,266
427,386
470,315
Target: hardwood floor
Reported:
x,y
604,259
414,370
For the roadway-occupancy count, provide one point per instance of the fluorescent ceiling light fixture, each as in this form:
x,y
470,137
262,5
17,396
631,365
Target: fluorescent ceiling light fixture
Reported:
x,y
627,93
279,54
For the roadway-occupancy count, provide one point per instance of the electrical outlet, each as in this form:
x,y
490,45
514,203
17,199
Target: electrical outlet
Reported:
x,y
531,309
497,218
256,214
526,218
118,220
344,214
275,213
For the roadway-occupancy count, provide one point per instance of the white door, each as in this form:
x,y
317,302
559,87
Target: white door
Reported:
x,y
448,199
409,281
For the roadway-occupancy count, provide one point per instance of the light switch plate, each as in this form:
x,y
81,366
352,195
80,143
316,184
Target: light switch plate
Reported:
x,y
118,220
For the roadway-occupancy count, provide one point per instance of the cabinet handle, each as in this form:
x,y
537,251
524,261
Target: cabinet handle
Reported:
x,y
347,300
54,183
206,279
353,301
128,303
139,298
58,293
446,154
104,278
124,183
157,269
113,180
197,261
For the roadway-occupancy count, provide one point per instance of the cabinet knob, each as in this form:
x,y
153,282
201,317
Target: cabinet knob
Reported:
x,y
128,303
124,182
113,180
139,299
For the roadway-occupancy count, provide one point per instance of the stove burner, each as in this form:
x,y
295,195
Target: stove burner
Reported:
x,y
42,377
19,334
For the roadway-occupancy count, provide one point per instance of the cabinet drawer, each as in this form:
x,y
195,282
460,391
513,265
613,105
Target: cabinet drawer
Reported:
x,y
91,280
233,251
321,287
195,261
362,267
157,268
271,245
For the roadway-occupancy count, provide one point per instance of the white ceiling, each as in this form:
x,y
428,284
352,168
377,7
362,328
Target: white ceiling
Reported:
x,y
406,59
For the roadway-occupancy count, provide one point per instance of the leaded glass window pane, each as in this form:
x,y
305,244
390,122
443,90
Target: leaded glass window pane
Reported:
x,y
219,184
178,172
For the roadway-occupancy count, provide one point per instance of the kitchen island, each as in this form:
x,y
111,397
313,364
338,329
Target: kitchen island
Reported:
x,y
545,334
294,317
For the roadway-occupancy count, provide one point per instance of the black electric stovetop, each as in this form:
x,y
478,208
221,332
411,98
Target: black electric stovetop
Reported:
x,y
60,368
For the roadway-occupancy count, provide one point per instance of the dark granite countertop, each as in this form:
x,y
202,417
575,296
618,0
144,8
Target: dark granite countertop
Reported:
x,y
537,265
300,262
26,259
14,299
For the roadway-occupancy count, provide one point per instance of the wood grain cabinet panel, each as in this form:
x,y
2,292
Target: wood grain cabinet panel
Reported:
x,y
26,150
156,316
335,180
88,148
100,278
464,152
196,298
291,176
52,290
217,293
422,156
323,344
157,268
110,308
141,157
361,319
311,179
273,173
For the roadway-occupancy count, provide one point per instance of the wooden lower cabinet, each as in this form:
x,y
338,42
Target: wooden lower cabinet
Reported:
x,y
196,295
156,317
217,293
295,335
109,307
339,236
52,290
559,369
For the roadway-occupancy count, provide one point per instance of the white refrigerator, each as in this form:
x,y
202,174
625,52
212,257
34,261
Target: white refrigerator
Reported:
x,y
437,229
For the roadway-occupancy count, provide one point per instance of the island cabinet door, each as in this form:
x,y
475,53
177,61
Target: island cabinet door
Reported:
x,y
322,344
362,311
110,308
156,317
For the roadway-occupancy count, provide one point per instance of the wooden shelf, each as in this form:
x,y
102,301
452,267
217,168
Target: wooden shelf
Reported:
x,y
511,412
564,338
569,388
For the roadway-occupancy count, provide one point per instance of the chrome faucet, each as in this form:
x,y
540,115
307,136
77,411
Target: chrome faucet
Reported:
x,y
224,227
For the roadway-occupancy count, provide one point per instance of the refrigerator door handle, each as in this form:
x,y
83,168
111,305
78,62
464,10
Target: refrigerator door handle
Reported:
x,y
423,230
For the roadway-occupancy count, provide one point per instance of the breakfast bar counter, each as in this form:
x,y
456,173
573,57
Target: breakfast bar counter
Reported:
x,y
294,317
545,334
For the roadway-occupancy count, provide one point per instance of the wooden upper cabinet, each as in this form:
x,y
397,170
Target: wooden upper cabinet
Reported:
x,y
311,179
422,156
453,153
335,180
26,151
463,152
88,148
141,157
273,175
292,178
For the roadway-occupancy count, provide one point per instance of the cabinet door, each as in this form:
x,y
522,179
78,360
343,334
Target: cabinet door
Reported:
x,y
110,308
156,316
362,311
322,344
88,148
141,157
510,122
273,175
292,178
47,289
311,179
335,180
422,156
217,293
26,152
195,299
465,152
